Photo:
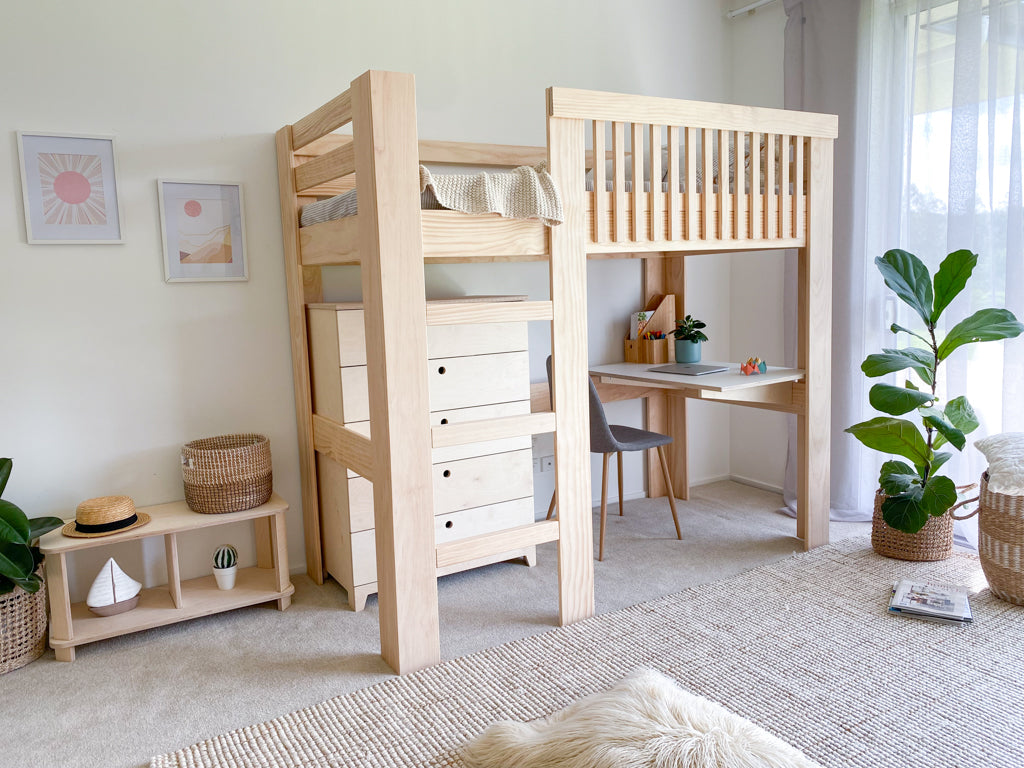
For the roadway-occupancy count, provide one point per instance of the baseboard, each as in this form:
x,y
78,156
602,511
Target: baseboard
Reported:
x,y
756,484
709,480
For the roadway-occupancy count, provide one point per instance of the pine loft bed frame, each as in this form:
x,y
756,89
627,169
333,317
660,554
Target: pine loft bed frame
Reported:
x,y
782,199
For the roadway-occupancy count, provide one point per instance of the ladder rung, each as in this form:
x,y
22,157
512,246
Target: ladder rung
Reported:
x,y
345,446
492,429
488,312
485,544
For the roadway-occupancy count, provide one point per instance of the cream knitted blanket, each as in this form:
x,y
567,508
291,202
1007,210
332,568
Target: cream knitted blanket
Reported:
x,y
522,193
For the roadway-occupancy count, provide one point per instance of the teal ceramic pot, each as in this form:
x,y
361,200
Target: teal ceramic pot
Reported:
x,y
687,351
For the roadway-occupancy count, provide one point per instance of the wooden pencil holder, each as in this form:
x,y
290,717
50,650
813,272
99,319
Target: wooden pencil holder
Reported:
x,y
645,350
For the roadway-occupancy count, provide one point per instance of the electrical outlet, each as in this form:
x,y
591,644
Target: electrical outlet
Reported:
x,y
547,463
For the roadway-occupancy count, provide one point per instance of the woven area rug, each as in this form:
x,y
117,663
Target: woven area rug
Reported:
x,y
803,647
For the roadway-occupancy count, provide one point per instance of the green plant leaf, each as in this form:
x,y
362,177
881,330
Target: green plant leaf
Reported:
x,y
904,512
936,419
895,328
40,525
30,583
938,496
5,472
897,477
6,585
908,278
911,385
892,360
14,525
961,415
984,325
15,561
939,459
952,276
890,435
897,400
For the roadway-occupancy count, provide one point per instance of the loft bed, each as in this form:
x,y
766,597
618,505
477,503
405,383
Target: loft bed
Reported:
x,y
779,196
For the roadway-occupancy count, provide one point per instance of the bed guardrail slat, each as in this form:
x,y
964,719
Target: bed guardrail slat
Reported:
x,y
657,195
741,191
328,167
799,200
619,201
331,116
771,229
600,185
785,193
708,182
636,148
725,231
692,231
675,197
756,199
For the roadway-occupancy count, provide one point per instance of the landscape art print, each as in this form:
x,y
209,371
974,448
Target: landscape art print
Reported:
x,y
70,188
203,231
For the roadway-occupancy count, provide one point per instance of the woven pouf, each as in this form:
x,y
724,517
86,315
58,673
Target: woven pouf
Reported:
x,y
22,627
228,473
933,542
1001,542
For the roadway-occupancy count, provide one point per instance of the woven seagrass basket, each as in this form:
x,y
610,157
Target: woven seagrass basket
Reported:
x,y
1001,542
933,542
22,627
228,473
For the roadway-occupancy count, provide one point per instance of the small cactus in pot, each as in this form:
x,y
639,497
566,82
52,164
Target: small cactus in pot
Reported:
x,y
225,566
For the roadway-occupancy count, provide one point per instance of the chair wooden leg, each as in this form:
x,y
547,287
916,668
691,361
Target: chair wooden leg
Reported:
x,y
619,454
604,502
671,493
551,506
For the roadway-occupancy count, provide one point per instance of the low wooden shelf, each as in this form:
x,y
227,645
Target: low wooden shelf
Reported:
x,y
72,625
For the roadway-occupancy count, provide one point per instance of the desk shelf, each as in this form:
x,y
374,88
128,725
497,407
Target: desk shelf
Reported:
x,y
74,624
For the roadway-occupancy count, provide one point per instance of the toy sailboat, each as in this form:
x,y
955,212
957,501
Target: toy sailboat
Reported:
x,y
113,591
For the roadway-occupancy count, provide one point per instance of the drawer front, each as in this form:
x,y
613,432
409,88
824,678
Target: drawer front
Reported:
x,y
482,480
454,382
449,527
442,340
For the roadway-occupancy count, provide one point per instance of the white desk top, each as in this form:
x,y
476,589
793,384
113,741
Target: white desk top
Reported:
x,y
733,379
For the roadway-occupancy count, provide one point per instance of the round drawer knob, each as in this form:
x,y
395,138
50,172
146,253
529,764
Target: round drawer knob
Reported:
x,y
444,421
447,473
449,524
441,370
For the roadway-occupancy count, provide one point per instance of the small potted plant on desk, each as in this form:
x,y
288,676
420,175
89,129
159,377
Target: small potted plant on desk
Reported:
x,y
22,597
689,336
913,518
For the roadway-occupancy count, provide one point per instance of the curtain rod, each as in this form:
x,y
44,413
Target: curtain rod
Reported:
x,y
749,8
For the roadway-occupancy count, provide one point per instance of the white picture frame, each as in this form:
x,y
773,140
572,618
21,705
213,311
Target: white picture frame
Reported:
x,y
202,225
70,188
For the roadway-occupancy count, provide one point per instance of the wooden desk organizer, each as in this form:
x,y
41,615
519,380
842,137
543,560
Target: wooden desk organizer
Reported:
x,y
661,311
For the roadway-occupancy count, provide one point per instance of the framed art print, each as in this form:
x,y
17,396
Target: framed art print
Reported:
x,y
69,183
203,231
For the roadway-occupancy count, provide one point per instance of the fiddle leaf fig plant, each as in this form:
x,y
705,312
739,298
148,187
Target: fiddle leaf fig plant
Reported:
x,y
19,557
914,491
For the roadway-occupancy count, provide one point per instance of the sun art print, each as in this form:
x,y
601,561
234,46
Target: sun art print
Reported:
x,y
72,188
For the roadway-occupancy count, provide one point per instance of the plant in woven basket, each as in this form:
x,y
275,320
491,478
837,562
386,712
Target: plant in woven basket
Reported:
x,y
20,558
226,556
914,494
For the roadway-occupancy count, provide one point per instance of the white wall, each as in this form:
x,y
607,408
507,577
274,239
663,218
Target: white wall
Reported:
x,y
106,369
756,280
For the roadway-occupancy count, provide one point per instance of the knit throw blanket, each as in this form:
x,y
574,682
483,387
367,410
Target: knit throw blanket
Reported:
x,y
522,193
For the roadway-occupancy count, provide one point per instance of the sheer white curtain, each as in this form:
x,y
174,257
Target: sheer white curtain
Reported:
x,y
934,163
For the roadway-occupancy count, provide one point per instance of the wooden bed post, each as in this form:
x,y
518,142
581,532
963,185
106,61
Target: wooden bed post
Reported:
x,y
814,289
566,160
391,253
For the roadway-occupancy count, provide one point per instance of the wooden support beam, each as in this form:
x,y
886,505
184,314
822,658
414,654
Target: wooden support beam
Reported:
x,y
331,116
474,547
492,429
335,164
346,446
390,243
481,312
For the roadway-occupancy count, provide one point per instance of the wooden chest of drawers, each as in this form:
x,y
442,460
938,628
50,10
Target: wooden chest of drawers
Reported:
x,y
475,372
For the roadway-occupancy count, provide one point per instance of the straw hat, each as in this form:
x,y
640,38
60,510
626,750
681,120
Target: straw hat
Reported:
x,y
104,516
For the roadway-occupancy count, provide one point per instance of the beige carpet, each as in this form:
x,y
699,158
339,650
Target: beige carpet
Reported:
x,y
802,647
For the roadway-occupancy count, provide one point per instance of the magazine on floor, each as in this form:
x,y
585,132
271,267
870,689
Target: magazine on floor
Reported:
x,y
936,602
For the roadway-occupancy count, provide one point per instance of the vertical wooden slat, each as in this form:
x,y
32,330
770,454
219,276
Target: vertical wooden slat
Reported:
x,y
814,281
708,189
756,194
724,199
771,183
600,185
692,232
639,197
799,201
654,285
786,201
568,271
394,300
675,197
295,284
61,628
619,182
173,569
675,404
742,191
657,195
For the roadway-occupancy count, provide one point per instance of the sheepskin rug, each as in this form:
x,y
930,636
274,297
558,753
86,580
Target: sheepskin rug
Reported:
x,y
644,721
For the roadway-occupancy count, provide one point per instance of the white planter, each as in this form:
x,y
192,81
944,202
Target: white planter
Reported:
x,y
225,577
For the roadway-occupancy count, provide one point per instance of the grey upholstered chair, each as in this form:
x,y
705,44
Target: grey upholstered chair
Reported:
x,y
607,439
